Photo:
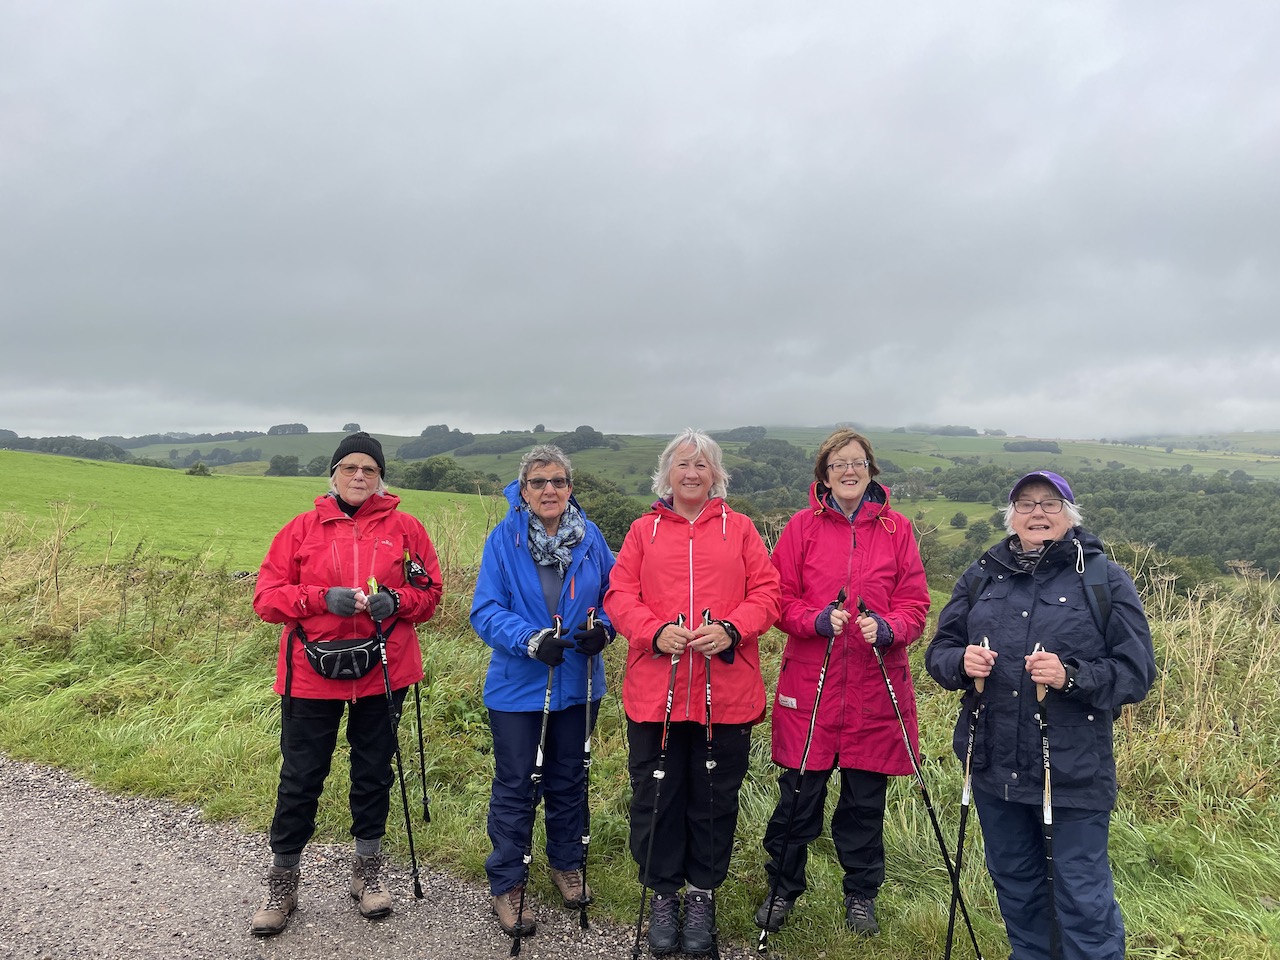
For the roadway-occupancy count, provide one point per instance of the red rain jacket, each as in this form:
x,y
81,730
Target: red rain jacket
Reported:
x,y
325,548
876,558
669,566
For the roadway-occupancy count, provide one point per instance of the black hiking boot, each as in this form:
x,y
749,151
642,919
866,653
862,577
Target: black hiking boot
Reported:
x,y
664,924
860,915
699,935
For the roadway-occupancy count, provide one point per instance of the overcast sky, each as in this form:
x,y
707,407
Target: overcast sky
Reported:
x,y
1060,219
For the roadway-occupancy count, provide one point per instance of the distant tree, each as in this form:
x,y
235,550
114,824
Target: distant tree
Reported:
x,y
287,429
198,470
1168,449
317,466
960,521
979,533
282,466
351,428
1032,446
7,435
540,428
744,434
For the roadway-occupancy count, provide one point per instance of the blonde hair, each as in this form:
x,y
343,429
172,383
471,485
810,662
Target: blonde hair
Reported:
x,y
705,447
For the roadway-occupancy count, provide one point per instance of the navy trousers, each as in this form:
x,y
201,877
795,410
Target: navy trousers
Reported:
x,y
857,829
696,816
308,736
1088,916
512,799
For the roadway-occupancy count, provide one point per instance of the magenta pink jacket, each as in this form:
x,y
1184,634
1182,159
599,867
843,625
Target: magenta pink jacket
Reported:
x,y
325,548
876,558
668,566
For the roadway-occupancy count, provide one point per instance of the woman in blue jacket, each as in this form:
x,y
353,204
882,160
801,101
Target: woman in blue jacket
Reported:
x,y
1045,609
544,560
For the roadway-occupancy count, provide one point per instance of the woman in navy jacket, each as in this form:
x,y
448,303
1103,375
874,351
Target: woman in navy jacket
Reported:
x,y
1020,617
545,559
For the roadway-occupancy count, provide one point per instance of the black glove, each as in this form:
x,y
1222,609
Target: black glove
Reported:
x,y
383,604
549,648
341,600
591,640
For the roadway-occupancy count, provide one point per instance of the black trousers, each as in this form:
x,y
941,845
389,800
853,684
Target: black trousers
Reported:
x,y
308,736
857,829
696,816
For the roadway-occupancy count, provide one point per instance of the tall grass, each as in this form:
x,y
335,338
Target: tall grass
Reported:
x,y
151,675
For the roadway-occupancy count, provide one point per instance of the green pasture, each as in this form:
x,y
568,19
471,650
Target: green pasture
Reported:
x,y
631,464
152,676
117,509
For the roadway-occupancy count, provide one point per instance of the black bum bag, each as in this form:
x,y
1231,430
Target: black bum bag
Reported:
x,y
341,659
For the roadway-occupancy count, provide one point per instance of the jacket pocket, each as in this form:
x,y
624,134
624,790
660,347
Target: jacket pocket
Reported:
x,y
1079,747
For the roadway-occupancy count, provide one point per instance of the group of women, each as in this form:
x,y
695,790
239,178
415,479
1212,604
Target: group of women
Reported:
x,y
692,590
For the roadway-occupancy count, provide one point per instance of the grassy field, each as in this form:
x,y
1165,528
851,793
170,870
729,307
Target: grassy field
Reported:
x,y
1258,454
116,510
146,672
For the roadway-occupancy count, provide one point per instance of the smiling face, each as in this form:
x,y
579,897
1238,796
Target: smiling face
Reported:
x,y
850,483
691,478
548,503
356,478
1035,528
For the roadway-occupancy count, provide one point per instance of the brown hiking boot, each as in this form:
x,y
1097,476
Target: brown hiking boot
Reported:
x,y
367,888
506,907
281,900
571,887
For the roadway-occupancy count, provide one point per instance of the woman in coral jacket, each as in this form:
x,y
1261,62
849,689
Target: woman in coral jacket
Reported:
x,y
330,575
847,539
545,559
692,590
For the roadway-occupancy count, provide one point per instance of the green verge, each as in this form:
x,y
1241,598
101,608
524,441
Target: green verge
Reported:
x,y
153,677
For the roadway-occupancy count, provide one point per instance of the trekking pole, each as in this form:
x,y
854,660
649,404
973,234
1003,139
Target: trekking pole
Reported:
x,y
762,946
422,756
586,784
1055,944
711,783
536,779
658,774
394,719
924,792
979,684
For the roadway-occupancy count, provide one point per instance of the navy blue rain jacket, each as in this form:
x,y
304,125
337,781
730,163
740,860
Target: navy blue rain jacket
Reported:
x,y
508,609
1014,610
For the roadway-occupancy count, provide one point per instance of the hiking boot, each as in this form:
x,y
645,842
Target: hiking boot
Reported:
x,y
506,907
699,935
772,914
664,924
860,915
366,887
571,887
281,900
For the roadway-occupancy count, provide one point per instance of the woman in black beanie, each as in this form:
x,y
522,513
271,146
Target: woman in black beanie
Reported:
x,y
335,577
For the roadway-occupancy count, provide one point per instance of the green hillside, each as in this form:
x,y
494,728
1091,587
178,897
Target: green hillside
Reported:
x,y
1258,454
116,508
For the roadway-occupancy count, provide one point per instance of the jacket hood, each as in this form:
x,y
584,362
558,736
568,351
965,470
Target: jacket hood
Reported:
x,y
1072,548
876,497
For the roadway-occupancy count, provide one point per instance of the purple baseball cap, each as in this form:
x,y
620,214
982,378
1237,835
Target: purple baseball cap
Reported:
x,y
1048,477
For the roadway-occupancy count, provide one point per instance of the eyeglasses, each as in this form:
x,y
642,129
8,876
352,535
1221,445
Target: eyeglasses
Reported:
x,y
349,470
538,483
840,466
1052,505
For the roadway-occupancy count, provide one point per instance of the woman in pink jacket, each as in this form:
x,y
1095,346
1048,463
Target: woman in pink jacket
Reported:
x,y
331,574
847,539
692,590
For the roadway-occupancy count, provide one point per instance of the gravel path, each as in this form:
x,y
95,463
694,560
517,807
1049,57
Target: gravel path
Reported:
x,y
85,874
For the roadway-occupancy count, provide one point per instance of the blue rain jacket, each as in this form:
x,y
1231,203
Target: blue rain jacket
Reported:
x,y
509,609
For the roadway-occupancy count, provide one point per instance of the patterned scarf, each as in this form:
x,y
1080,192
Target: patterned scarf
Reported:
x,y
557,551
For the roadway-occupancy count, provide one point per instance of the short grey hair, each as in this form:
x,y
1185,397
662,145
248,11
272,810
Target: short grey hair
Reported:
x,y
1070,509
705,447
545,455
